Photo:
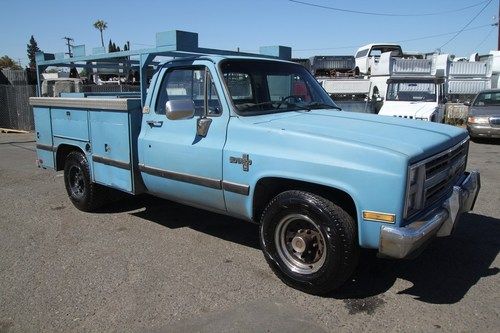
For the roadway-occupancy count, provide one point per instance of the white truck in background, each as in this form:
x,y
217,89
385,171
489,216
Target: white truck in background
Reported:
x,y
415,88
368,56
420,83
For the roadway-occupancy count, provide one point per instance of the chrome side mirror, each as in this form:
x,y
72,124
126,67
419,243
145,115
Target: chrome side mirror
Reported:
x,y
179,109
467,103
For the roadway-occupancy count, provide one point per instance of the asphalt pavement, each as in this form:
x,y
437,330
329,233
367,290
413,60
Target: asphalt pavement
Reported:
x,y
146,264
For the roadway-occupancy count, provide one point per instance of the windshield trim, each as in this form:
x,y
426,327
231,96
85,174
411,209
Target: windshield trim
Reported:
x,y
257,112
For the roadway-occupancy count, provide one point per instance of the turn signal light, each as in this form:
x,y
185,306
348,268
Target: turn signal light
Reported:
x,y
379,217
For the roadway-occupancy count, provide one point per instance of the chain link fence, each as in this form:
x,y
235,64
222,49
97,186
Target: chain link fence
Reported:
x,y
15,111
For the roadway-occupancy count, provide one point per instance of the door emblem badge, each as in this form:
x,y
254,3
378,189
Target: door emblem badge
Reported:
x,y
244,160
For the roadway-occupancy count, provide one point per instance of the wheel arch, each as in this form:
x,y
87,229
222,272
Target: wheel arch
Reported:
x,y
267,188
63,150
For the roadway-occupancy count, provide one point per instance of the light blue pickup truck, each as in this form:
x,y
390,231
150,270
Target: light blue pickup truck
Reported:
x,y
256,137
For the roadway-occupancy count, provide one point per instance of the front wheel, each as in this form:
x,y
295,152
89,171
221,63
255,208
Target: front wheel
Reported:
x,y
309,242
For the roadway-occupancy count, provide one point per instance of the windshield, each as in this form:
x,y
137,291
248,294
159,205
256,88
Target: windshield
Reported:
x,y
378,50
260,86
411,92
487,99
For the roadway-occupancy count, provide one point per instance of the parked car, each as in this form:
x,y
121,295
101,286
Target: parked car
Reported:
x,y
483,120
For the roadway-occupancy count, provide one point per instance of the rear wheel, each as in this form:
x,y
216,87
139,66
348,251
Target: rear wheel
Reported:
x,y
309,242
83,193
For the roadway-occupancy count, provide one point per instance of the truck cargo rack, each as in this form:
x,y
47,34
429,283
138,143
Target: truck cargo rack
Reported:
x,y
173,44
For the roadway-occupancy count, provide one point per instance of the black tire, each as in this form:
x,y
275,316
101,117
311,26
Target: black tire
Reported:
x,y
336,227
83,193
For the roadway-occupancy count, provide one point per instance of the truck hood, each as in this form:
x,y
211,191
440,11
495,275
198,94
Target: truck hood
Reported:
x,y
408,109
415,139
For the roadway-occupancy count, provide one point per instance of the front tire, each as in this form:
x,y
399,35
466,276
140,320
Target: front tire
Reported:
x,y
83,193
309,242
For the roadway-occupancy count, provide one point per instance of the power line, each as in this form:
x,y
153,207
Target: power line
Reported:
x,y
386,14
443,34
485,38
465,26
399,41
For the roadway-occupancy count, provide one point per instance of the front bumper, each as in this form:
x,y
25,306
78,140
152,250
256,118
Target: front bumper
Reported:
x,y
483,131
400,242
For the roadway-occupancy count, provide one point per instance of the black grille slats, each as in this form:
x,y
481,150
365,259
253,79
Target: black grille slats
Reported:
x,y
443,172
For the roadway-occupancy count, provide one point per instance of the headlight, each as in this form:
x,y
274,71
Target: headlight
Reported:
x,y
415,189
478,120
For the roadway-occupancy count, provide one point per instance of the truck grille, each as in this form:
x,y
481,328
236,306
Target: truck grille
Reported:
x,y
495,121
443,171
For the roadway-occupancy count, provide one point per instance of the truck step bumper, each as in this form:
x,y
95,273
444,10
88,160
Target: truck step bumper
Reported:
x,y
400,242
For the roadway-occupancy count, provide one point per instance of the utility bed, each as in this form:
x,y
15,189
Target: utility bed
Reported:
x,y
107,129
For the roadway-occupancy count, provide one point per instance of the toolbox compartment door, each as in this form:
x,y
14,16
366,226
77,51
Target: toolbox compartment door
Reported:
x,y
44,144
70,123
111,160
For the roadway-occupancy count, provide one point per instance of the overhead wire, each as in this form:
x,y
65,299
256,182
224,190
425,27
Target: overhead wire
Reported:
x,y
399,41
484,39
465,26
305,3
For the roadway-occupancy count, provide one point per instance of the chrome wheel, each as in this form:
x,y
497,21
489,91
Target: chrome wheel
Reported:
x,y
300,243
76,181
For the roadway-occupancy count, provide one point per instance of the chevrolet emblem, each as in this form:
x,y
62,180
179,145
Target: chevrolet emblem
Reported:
x,y
244,160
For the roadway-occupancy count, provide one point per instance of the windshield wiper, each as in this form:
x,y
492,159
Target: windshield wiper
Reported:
x,y
247,106
319,105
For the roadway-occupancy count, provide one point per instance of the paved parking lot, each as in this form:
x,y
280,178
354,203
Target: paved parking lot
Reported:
x,y
150,264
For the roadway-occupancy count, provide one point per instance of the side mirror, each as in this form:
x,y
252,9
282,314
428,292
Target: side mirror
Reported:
x,y
179,109
467,103
444,100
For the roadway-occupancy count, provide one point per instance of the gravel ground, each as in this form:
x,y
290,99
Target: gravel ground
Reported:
x,y
145,264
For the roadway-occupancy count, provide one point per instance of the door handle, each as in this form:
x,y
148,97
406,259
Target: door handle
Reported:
x,y
154,123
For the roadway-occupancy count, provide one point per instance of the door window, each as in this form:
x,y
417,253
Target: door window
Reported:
x,y
189,84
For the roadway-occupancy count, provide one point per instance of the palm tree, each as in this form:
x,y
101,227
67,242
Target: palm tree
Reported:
x,y
100,25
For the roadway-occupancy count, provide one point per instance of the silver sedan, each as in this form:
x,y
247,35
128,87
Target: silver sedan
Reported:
x,y
483,120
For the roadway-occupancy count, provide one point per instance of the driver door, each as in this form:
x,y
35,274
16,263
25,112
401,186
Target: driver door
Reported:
x,y
178,163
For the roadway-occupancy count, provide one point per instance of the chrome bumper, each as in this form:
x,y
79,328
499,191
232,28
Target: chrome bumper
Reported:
x,y
399,242
483,131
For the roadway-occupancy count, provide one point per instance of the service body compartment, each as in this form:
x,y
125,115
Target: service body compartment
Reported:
x,y
44,143
106,128
110,137
70,123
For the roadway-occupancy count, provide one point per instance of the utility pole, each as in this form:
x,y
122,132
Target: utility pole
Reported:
x,y
68,42
498,26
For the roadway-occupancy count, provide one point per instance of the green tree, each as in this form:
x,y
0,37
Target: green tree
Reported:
x,y
32,49
7,62
101,26
110,46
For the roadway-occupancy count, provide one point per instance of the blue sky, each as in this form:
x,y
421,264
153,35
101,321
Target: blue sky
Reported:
x,y
247,24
